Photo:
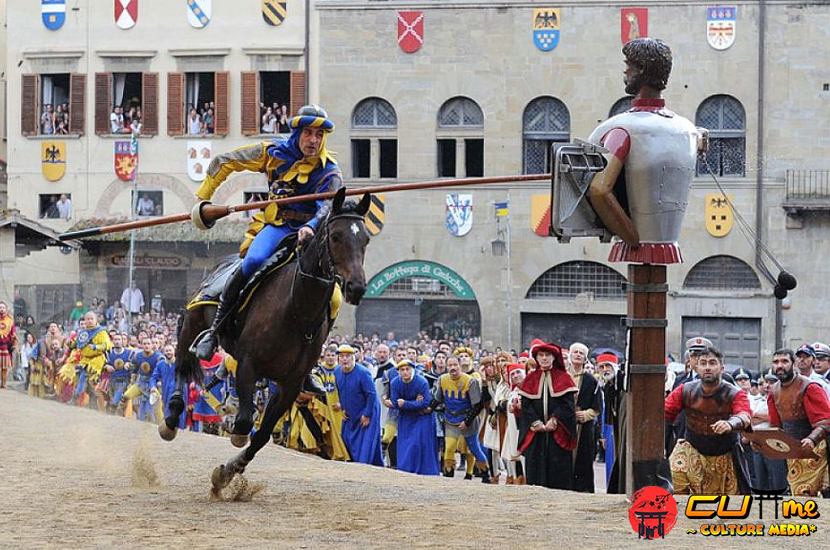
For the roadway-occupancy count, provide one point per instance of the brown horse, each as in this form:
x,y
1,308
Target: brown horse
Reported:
x,y
281,333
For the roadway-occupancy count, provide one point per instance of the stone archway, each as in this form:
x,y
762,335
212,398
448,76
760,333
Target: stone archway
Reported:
x,y
152,181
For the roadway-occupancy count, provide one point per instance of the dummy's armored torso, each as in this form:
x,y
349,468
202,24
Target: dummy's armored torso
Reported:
x,y
658,169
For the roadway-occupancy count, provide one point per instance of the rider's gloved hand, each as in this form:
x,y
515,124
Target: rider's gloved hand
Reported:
x,y
197,216
304,234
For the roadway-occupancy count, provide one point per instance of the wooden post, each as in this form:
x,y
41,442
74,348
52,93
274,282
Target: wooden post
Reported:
x,y
647,363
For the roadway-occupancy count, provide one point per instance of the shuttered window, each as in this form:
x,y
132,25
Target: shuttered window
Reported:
x,y
77,104
29,108
250,103
150,104
297,91
175,104
103,102
222,99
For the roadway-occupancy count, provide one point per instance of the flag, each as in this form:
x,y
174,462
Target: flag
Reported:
x,y
502,209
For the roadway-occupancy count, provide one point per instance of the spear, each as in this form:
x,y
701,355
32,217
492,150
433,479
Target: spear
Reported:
x,y
213,212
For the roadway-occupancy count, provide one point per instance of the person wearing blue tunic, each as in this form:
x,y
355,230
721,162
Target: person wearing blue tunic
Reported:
x,y
360,406
165,374
417,441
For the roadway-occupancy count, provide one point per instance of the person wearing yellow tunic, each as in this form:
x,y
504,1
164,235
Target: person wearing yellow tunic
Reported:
x,y
93,342
306,427
325,373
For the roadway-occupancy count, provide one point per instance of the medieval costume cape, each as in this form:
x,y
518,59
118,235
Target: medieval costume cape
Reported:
x,y
417,442
359,398
548,459
802,410
588,399
305,426
704,462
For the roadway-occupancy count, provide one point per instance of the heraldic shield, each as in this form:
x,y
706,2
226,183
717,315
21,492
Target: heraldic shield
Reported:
x,y
410,30
126,13
199,12
53,13
459,214
376,216
125,162
546,28
720,26
53,159
274,11
199,153
571,214
719,217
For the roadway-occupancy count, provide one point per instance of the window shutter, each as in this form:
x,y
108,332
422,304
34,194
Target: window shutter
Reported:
x,y
175,104
29,108
103,102
222,98
77,104
297,91
250,103
150,104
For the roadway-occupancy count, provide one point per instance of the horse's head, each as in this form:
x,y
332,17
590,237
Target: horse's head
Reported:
x,y
347,238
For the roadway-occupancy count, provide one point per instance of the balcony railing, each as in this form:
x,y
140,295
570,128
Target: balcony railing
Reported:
x,y
813,185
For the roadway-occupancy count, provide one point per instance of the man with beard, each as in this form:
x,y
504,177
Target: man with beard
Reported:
x,y
770,473
800,407
709,460
547,422
588,408
609,370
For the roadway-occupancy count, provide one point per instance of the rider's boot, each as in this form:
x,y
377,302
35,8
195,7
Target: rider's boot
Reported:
x,y
312,385
206,346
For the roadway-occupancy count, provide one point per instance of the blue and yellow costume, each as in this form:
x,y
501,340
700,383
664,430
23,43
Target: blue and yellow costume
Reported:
x,y
120,376
93,344
462,401
165,373
140,388
358,398
289,174
335,418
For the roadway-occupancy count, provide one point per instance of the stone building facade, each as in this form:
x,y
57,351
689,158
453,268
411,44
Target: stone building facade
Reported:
x,y
477,97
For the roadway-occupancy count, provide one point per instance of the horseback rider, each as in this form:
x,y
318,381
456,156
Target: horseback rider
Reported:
x,y
301,165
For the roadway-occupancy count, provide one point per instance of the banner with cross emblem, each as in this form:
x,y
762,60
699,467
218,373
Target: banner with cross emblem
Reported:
x,y
719,218
546,28
274,11
199,12
410,30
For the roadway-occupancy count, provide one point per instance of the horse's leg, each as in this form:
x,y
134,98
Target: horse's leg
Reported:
x,y
244,420
278,403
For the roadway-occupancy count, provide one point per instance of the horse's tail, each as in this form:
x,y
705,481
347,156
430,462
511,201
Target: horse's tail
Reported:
x,y
188,366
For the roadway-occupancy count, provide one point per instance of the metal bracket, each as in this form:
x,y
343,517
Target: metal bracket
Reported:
x,y
644,323
647,369
645,287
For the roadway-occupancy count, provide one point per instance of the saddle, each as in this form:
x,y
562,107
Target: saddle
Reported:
x,y
214,284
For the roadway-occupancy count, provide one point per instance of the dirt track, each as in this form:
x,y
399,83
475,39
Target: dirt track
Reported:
x,y
72,478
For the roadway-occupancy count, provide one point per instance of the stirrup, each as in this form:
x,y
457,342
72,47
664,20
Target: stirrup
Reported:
x,y
207,333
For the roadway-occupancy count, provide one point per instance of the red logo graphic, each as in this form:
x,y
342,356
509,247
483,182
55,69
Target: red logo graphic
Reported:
x,y
410,30
634,23
126,13
653,512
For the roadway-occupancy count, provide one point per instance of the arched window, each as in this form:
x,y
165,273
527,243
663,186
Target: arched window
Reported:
x,y
460,114
374,120
569,279
725,118
546,120
722,273
620,106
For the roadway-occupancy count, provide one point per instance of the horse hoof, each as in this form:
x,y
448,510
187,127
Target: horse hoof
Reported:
x,y
238,440
166,433
217,478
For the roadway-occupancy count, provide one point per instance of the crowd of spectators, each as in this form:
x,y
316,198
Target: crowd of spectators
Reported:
x,y
55,119
201,120
274,119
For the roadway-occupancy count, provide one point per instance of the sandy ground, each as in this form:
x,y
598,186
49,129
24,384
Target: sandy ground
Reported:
x,y
72,478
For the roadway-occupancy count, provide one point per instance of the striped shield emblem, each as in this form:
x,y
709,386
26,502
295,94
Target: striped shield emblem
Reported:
x,y
274,11
376,215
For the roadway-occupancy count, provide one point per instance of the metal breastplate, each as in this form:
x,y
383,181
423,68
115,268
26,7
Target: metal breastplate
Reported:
x,y
658,170
789,402
704,410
